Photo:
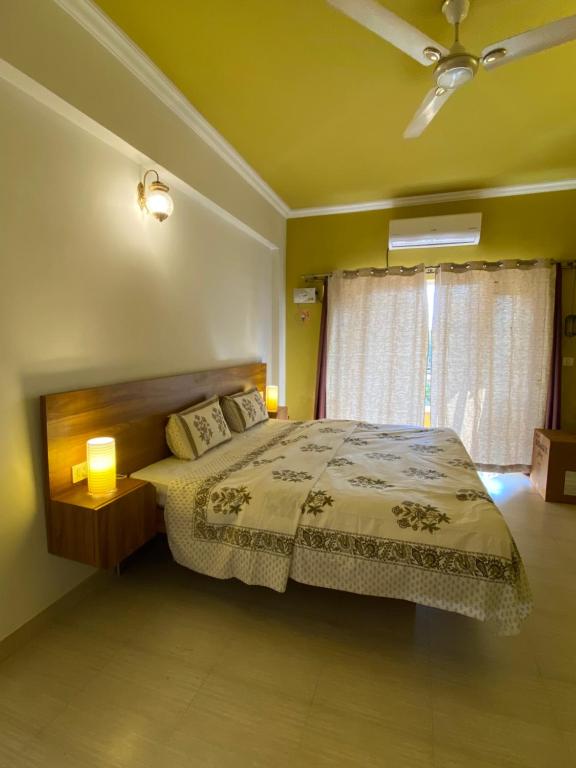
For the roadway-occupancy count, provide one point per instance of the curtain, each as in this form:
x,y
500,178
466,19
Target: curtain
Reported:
x,y
320,399
491,351
377,346
553,409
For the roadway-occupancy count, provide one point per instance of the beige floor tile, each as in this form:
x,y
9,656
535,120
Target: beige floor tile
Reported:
x,y
157,671
337,735
562,698
500,740
243,717
14,738
47,752
114,614
521,698
176,634
158,708
570,742
277,668
57,663
166,668
27,704
100,735
469,757
397,701
556,655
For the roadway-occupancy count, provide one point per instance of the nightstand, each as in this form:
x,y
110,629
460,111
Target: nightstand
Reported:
x,y
102,530
281,415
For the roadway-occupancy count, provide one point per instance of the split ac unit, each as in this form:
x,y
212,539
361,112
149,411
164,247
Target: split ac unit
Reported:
x,y
435,231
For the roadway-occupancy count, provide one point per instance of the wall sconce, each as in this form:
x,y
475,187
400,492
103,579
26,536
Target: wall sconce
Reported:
x,y
101,461
272,398
155,200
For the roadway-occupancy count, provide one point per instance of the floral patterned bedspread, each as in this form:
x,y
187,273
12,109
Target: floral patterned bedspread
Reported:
x,y
381,510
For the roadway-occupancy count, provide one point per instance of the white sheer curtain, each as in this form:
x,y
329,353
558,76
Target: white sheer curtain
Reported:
x,y
491,348
377,346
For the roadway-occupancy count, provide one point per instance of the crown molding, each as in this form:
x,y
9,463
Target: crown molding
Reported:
x,y
435,199
72,114
108,34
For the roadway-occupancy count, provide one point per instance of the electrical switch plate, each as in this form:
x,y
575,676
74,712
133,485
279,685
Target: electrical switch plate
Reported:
x,y
567,362
79,472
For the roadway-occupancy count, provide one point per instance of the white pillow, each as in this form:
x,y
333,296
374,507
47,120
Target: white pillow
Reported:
x,y
192,432
244,410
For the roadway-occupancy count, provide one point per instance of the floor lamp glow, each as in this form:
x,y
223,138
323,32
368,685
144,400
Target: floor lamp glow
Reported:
x,y
101,460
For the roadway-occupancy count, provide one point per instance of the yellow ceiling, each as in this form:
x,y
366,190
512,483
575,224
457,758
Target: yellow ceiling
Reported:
x,y
317,104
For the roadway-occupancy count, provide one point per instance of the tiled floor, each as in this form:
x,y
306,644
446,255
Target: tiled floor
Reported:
x,y
170,669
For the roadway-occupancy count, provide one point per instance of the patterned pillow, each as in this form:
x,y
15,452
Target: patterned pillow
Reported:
x,y
244,409
196,430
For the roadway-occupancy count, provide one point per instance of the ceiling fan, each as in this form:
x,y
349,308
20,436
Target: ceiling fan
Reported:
x,y
456,66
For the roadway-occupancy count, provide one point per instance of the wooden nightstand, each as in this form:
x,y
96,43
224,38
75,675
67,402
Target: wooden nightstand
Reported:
x,y
282,414
102,530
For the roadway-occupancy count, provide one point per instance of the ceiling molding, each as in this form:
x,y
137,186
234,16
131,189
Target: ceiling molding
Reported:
x,y
108,34
435,199
72,114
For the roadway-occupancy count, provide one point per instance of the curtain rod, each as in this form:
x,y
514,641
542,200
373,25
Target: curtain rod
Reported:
x,y
431,270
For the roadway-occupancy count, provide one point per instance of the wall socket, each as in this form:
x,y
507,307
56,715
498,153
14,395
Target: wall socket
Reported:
x,y
567,362
79,472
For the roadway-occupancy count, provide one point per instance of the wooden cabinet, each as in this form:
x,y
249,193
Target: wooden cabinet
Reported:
x,y
282,414
554,465
102,530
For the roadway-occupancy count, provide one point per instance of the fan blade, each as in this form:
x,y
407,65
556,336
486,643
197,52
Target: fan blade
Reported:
x,y
392,28
427,111
527,43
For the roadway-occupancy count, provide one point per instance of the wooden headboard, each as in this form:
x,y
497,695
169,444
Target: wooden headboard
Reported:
x,y
134,413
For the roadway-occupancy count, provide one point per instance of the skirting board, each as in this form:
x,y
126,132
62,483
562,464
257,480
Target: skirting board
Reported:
x,y
35,625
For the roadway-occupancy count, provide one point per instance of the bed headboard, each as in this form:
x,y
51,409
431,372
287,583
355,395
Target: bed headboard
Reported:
x,y
134,413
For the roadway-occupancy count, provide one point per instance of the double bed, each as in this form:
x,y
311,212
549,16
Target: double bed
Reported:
x,y
393,511
390,511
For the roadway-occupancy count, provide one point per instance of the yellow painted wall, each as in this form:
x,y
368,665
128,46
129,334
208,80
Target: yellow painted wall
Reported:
x,y
529,227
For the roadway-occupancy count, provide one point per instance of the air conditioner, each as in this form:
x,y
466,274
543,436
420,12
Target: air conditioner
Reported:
x,y
435,231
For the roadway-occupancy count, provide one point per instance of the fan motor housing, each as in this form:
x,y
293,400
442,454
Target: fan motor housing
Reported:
x,y
455,70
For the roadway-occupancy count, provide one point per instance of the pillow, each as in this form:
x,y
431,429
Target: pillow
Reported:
x,y
196,430
244,409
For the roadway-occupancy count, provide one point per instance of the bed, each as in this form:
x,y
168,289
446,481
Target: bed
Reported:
x,y
393,511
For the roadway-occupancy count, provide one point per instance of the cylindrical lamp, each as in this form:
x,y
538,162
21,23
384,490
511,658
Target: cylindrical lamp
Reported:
x,y
272,398
101,460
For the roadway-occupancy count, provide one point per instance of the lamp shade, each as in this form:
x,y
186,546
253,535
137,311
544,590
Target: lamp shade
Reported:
x,y
101,461
158,201
272,398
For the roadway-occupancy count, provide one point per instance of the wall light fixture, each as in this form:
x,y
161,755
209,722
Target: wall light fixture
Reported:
x,y
154,198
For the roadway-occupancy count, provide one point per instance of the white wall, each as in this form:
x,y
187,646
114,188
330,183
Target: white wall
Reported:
x,y
93,291
40,39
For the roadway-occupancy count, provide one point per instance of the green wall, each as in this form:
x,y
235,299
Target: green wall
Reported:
x,y
527,227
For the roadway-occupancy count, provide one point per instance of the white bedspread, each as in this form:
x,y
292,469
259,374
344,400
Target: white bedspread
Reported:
x,y
391,511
